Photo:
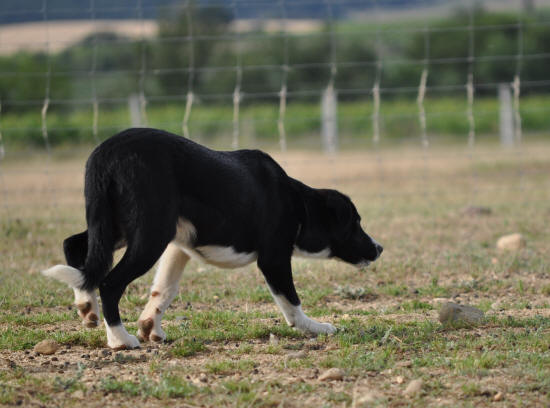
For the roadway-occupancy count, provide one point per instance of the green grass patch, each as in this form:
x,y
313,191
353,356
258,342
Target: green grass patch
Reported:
x,y
168,386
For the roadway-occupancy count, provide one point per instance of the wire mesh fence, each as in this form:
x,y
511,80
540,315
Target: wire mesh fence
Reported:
x,y
290,75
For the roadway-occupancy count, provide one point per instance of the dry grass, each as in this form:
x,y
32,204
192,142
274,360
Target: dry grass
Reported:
x,y
219,353
59,35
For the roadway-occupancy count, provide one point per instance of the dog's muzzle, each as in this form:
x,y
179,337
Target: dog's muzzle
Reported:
x,y
379,250
365,263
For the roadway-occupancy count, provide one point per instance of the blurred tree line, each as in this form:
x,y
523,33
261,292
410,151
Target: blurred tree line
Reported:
x,y
197,48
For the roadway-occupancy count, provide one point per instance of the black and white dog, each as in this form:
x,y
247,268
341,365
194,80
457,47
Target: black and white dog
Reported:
x,y
163,196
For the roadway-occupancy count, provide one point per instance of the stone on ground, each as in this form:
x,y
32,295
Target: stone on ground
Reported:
x,y
512,242
454,313
332,374
414,387
499,396
47,347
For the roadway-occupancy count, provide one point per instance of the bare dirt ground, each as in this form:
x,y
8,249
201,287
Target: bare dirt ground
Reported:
x,y
229,346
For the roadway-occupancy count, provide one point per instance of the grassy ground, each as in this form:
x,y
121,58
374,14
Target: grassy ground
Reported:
x,y
219,351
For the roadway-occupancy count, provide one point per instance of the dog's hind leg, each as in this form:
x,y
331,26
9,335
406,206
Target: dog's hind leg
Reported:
x,y
278,275
76,248
163,291
143,251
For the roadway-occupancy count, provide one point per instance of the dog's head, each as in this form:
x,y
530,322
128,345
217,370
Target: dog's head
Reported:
x,y
347,239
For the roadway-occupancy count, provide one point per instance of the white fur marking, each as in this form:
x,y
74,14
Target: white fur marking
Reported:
x,y
118,337
185,232
84,296
224,257
295,317
323,254
164,289
66,274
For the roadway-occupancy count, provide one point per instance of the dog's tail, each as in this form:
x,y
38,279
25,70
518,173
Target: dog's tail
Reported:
x,y
89,254
67,274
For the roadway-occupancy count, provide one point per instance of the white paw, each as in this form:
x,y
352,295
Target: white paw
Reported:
x,y
119,339
157,334
327,328
87,306
149,329
308,325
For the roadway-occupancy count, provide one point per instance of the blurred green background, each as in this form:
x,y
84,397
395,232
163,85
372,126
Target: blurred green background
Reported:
x,y
107,68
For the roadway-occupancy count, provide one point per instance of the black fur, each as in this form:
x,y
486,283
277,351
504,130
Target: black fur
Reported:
x,y
141,181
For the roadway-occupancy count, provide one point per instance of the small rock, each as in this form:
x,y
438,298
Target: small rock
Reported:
x,y
499,396
273,340
512,242
414,387
47,347
399,379
106,353
453,312
332,374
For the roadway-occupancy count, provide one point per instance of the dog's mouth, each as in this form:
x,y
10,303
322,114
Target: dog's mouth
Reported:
x,y
362,265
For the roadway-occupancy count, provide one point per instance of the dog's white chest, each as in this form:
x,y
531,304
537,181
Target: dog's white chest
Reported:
x,y
224,257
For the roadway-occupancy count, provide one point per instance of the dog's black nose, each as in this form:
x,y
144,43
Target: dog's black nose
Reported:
x,y
379,249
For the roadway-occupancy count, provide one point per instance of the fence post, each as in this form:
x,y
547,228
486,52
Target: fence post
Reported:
x,y
134,106
506,117
329,120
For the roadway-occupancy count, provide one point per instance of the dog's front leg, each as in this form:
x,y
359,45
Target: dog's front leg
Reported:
x,y
163,291
278,276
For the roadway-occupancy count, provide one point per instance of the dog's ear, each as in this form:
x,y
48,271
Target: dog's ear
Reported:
x,y
341,212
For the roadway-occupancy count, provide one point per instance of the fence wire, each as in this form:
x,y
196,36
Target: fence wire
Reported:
x,y
188,100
